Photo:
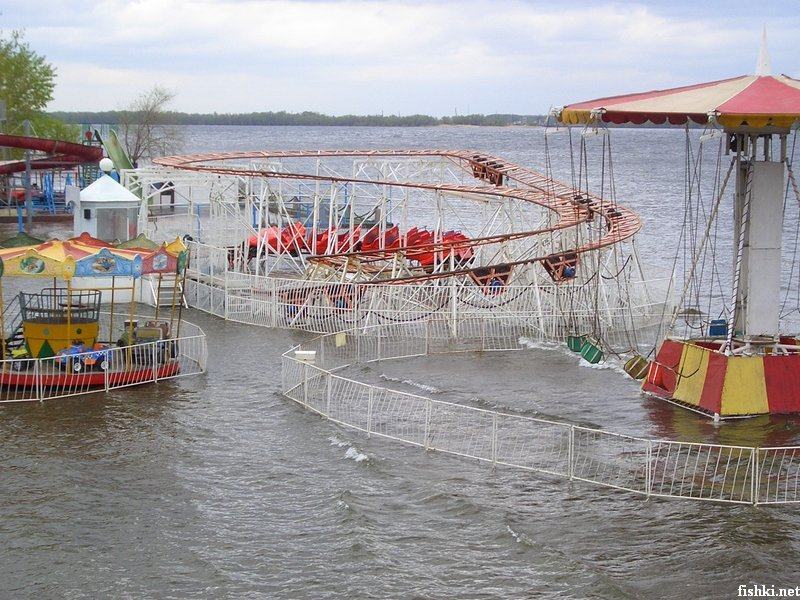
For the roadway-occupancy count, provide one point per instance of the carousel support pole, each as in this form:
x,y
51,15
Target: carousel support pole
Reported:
x,y
172,307
2,327
129,353
158,294
759,221
111,316
69,311
180,304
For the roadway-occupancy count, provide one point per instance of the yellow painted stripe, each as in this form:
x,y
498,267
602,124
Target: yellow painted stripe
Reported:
x,y
691,374
745,388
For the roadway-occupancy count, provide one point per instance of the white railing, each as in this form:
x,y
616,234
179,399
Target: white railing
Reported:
x,y
647,467
545,312
41,379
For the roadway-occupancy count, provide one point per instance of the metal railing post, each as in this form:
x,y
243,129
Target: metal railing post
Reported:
x,y
370,398
37,375
428,409
571,453
225,293
305,385
155,361
648,473
494,439
754,477
106,382
328,395
427,337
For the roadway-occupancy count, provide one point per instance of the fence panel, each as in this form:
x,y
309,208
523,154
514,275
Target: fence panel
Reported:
x,y
703,471
778,475
610,459
397,415
533,444
461,430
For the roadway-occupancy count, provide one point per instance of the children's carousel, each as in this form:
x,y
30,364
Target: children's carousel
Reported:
x,y
60,340
733,348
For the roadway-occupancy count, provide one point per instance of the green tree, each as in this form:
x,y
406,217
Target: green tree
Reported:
x,y
27,82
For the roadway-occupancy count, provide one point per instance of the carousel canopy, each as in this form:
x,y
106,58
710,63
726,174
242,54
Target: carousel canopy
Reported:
x,y
20,239
85,256
746,101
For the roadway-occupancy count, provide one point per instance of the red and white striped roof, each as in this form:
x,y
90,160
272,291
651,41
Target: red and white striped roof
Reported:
x,y
749,100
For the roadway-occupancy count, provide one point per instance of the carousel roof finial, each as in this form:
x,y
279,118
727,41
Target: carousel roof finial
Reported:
x,y
764,64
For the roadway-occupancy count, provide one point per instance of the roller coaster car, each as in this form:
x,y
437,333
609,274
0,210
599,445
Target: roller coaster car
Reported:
x,y
561,267
291,239
493,280
420,238
349,242
487,170
371,242
463,254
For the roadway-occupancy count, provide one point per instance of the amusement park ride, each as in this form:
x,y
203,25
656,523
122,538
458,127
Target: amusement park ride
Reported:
x,y
739,358
407,235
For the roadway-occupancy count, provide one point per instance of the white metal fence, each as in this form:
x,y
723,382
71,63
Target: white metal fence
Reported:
x,y
54,377
658,468
629,315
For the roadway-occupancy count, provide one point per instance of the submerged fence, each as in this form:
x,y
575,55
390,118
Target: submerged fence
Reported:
x,y
31,379
658,468
626,316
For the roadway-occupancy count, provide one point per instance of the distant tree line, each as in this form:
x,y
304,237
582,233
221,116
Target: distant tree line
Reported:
x,y
116,117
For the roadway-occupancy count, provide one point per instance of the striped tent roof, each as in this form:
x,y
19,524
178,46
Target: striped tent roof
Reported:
x,y
748,100
65,258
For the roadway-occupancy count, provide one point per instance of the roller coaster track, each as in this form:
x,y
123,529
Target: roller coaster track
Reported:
x,y
571,206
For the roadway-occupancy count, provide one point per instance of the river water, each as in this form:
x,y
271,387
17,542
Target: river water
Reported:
x,y
216,486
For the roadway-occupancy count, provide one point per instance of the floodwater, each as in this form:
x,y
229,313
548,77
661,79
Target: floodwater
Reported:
x,y
217,487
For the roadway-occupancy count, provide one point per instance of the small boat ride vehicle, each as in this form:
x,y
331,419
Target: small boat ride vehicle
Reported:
x,y
63,340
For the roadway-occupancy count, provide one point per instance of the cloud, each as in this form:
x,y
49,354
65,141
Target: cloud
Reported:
x,y
370,56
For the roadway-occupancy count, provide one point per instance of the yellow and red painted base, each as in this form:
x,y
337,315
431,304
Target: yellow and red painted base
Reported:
x,y
695,373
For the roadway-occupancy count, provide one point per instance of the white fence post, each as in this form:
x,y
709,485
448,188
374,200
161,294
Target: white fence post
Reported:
x,y
754,477
155,361
494,439
428,408
108,361
328,395
648,472
305,385
37,375
571,453
225,293
369,410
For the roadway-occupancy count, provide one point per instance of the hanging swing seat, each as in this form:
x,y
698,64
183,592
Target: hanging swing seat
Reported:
x,y
637,366
591,352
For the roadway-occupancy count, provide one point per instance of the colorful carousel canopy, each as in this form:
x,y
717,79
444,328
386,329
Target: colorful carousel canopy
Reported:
x,y
20,239
85,256
747,101
140,242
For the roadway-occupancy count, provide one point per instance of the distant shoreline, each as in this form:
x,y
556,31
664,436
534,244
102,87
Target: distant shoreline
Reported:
x,y
307,118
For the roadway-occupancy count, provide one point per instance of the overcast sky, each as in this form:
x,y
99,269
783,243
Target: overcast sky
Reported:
x,y
394,57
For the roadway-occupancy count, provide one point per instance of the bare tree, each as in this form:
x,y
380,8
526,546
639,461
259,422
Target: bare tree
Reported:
x,y
143,126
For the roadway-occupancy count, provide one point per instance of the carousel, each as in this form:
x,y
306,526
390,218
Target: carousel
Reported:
x,y
732,349
60,340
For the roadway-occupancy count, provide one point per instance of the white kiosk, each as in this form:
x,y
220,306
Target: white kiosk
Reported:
x,y
107,211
